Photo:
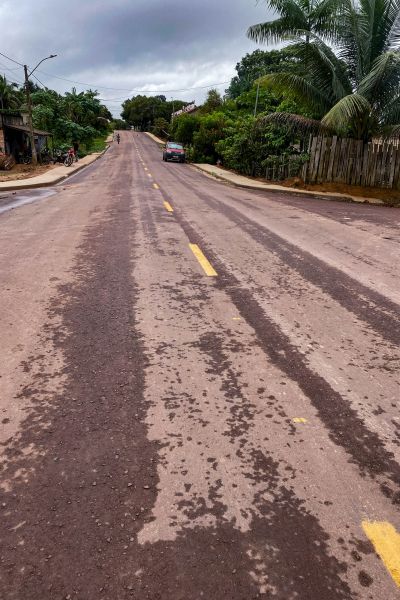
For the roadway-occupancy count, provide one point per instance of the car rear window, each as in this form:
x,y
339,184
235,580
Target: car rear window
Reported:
x,y
176,146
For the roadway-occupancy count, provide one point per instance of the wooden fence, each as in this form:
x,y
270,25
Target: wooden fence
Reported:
x,y
279,168
353,162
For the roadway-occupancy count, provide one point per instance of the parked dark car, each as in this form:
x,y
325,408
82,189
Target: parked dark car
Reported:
x,y
174,151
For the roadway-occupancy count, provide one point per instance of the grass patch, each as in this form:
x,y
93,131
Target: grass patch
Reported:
x,y
98,144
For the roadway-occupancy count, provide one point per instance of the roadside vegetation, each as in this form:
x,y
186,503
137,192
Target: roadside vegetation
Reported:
x,y
350,53
228,129
338,74
225,128
71,117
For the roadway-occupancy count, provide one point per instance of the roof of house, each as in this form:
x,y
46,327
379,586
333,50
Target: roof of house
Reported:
x,y
25,128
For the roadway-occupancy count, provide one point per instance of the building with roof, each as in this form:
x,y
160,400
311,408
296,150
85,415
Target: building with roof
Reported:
x,y
14,136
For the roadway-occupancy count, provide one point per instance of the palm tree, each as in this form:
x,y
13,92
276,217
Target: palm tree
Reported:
x,y
9,97
297,18
352,81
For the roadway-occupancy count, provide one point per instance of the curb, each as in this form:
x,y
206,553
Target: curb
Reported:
x,y
281,189
32,186
155,138
298,193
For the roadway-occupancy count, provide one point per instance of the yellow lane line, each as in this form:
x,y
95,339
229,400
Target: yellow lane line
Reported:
x,y
149,175
155,186
386,542
146,169
299,420
207,268
168,206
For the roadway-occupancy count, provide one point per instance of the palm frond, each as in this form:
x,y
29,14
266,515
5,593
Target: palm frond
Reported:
x,y
391,132
390,113
298,87
324,69
393,42
325,19
272,32
382,79
293,9
353,34
296,124
350,112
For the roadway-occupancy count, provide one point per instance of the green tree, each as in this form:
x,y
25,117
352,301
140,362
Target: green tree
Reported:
x,y
259,63
211,130
119,124
141,111
70,118
160,127
352,80
184,127
9,95
212,102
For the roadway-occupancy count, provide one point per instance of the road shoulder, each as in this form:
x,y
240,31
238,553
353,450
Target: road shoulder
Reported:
x,y
51,177
247,182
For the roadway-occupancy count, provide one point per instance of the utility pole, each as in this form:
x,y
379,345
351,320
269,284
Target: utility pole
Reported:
x,y
173,110
29,105
30,122
256,103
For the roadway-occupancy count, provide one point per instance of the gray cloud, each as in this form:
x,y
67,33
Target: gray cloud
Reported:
x,y
129,44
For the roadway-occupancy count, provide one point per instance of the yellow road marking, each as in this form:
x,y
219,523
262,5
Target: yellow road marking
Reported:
x,y
168,206
149,175
386,542
299,420
208,269
146,169
155,186
236,319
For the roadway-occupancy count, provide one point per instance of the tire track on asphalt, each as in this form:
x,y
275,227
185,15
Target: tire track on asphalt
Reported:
x,y
268,549
78,469
346,429
377,311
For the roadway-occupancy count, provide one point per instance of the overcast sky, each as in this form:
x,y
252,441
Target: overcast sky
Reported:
x,y
129,45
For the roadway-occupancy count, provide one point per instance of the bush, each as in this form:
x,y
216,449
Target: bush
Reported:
x,y
184,127
160,128
205,141
249,143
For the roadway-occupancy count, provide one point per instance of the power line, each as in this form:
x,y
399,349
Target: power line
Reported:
x,y
12,60
16,82
37,79
91,85
3,66
103,87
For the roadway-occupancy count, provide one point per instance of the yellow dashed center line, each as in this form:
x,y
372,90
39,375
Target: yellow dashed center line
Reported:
x,y
386,542
155,186
207,268
168,207
149,175
299,420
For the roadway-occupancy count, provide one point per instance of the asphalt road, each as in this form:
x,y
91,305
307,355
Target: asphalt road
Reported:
x,y
199,390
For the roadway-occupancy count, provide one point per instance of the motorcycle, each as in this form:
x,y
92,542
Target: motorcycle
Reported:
x,y
64,157
46,157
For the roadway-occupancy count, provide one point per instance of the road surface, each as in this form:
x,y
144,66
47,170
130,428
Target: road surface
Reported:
x,y
199,390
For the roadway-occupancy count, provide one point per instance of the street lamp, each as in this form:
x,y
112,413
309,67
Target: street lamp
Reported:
x,y
29,103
